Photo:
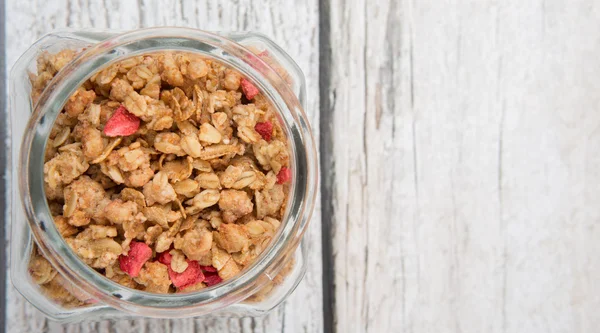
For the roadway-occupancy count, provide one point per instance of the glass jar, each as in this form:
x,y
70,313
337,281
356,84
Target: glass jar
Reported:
x,y
258,288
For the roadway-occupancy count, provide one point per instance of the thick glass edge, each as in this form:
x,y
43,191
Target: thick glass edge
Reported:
x,y
260,40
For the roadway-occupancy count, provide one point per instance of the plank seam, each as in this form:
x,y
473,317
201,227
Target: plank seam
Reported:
x,y
326,103
3,164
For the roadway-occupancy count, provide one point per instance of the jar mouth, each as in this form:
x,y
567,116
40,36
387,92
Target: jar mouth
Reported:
x,y
303,161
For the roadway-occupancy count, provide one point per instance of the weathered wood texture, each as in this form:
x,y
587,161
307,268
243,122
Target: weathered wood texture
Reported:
x,y
297,34
465,145
460,151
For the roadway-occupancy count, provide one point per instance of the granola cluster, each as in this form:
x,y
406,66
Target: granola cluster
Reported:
x,y
166,172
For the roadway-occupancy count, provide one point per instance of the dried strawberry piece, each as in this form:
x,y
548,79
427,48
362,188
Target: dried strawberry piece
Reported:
x,y
256,63
264,129
208,269
191,275
164,258
284,175
137,256
121,123
211,276
212,279
249,89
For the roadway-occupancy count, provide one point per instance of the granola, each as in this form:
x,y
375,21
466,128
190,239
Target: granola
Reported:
x,y
167,172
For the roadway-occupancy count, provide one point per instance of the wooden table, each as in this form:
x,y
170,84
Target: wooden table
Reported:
x,y
459,146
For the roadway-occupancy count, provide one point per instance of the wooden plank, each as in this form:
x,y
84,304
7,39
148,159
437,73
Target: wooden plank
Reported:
x,y
373,193
4,193
297,34
460,240
463,147
550,143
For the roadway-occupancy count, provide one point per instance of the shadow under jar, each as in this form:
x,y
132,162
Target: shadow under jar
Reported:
x,y
53,276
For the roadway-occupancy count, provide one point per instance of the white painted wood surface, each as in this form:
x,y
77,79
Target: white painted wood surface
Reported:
x,y
28,20
463,158
466,149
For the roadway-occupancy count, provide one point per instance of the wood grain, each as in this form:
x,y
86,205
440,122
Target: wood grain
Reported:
x,y
460,142
4,158
464,145
297,34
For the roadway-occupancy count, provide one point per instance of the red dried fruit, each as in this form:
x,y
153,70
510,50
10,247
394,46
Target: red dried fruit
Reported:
x,y
208,269
121,123
137,256
211,276
249,89
164,258
256,63
212,279
191,275
264,129
284,175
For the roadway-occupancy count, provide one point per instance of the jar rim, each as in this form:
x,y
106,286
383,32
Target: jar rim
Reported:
x,y
143,41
